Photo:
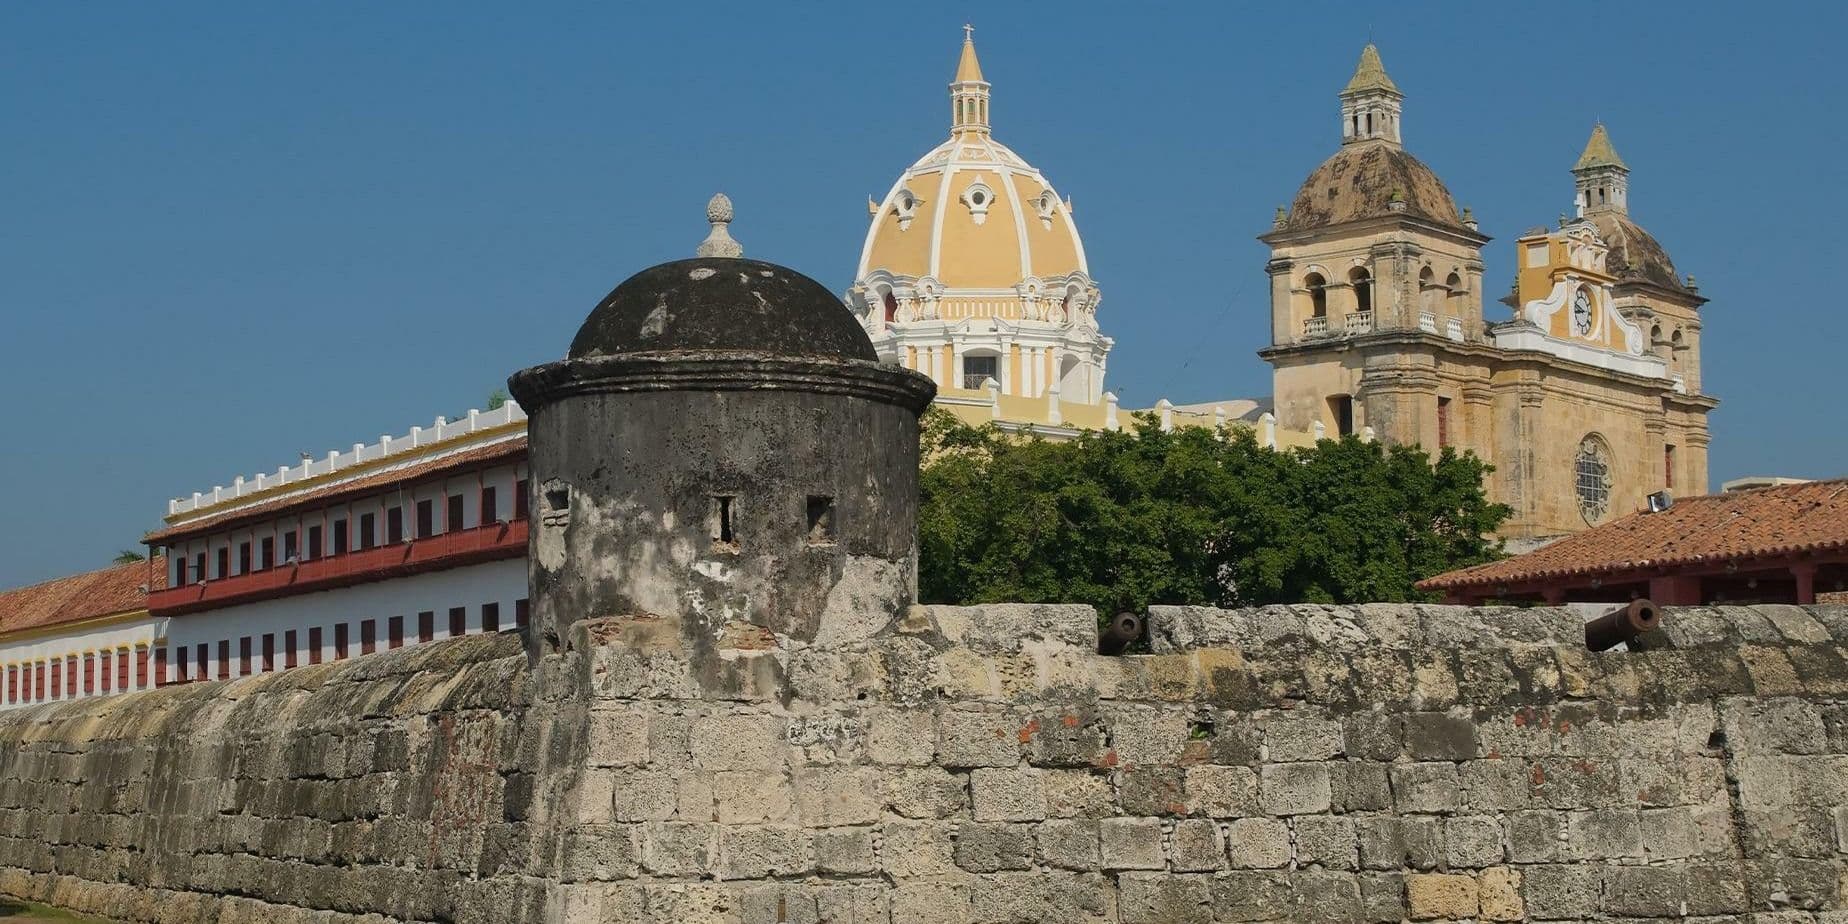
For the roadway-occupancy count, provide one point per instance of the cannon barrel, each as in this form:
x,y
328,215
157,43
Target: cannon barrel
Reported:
x,y
1123,631
1621,625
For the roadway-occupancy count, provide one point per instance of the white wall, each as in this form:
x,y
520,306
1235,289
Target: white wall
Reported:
x,y
110,638
498,582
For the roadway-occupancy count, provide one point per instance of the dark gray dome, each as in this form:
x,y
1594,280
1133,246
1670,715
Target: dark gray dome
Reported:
x,y
1371,179
722,304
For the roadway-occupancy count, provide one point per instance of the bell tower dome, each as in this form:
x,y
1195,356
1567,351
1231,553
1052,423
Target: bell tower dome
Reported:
x,y
1602,178
1370,102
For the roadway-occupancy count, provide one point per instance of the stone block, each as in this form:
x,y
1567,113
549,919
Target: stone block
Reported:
x,y
845,851
1496,785
1326,840
1131,843
1258,843
1374,735
1008,795
901,737
987,738
1078,794
1472,842
1294,738
1068,738
1378,843
1152,899
754,852
1561,892
1322,895
925,792
1360,786
1441,896
1499,894
988,848
678,848
1423,837
931,903
1243,895
1425,787
1603,835
1152,791
831,796
909,851
1221,792
737,742
1440,736
1644,891
1069,844
1294,789
752,797
1143,737
617,738
1195,846
1382,898
1717,889
1534,837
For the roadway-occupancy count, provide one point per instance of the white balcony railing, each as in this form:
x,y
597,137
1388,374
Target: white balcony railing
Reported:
x,y
1315,327
1427,322
1359,322
1453,328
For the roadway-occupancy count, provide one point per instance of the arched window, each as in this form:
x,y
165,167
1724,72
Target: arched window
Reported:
x,y
1318,295
1592,477
1363,288
891,308
1454,283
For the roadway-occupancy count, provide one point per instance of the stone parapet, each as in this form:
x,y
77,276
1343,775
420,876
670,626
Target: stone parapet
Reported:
x,y
973,765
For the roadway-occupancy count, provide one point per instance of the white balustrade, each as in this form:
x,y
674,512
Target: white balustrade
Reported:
x,y
1315,327
1359,322
1427,322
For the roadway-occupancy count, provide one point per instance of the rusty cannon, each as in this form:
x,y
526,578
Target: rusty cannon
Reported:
x,y
1123,630
1622,625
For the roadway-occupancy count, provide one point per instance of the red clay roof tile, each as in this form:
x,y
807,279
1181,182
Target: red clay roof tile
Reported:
x,y
1739,525
120,589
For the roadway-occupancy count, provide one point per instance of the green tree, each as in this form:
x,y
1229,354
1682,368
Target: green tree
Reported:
x,y
128,557
1124,519
496,398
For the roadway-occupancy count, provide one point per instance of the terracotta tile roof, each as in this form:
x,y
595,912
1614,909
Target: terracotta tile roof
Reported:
x,y
466,459
1758,523
120,589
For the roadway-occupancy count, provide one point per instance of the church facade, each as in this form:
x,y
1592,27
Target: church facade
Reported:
x,y
1584,393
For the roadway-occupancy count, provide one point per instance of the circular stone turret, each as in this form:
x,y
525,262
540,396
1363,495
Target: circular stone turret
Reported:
x,y
721,460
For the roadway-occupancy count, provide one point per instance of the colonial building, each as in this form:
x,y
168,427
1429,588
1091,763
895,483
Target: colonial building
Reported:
x,y
416,537
1586,400
973,270
82,635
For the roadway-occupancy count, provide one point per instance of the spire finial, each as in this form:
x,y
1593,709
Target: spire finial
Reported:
x,y
968,91
968,34
1598,151
719,242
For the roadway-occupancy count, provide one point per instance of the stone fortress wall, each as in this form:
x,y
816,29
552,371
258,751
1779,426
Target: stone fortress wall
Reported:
x,y
983,764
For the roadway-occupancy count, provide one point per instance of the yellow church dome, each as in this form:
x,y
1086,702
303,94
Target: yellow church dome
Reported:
x,y
972,214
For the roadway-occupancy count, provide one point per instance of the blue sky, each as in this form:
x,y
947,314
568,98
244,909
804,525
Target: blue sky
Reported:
x,y
230,233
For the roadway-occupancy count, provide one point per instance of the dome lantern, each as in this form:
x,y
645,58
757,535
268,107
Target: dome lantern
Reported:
x,y
1370,103
969,92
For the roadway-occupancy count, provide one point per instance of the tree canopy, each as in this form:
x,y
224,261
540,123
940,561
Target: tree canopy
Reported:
x,y
1124,519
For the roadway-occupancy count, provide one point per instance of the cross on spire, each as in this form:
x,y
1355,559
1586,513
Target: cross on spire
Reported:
x,y
968,32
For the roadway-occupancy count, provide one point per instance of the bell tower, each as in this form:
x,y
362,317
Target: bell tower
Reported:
x,y
1601,177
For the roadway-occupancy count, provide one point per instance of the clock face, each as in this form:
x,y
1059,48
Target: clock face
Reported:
x,y
1581,313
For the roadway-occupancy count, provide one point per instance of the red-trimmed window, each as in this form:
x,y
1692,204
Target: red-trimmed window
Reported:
x,y
426,626
122,667
57,679
224,563
269,652
522,612
341,642
243,656
179,573
490,617
290,551
89,674
452,519
519,500
205,664
340,537
314,543
224,659
199,567
426,519
243,558
266,553
394,632
368,531
184,670
490,509
160,666
106,667
368,636
314,644
40,682
288,649
458,621
394,525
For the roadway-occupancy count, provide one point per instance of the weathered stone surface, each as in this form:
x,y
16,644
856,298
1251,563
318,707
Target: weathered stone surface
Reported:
x,y
1376,764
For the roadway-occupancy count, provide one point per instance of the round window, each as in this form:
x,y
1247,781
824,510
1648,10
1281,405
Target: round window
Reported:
x,y
1592,478
978,198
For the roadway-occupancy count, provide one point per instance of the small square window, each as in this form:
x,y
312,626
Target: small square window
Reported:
x,y
724,522
978,369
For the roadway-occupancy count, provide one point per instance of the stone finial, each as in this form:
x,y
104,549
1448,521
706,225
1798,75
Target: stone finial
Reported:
x,y
719,243
1690,283
1280,218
